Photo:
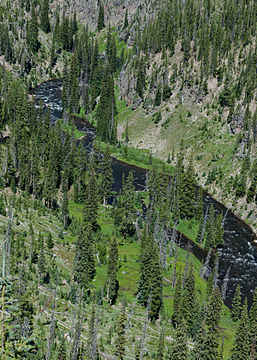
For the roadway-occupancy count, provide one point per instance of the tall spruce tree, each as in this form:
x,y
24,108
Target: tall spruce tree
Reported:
x,y
84,262
121,340
144,286
32,32
44,18
210,349
253,327
242,343
150,282
236,304
156,301
177,301
106,112
65,209
180,348
188,298
100,21
91,200
112,282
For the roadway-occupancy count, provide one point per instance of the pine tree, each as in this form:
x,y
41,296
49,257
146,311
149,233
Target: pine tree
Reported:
x,y
140,85
74,90
242,345
125,210
144,286
236,304
199,337
125,25
179,348
158,97
187,192
112,282
100,21
49,241
92,350
107,111
177,301
210,350
188,298
121,340
253,326
32,32
156,301
91,200
84,263
44,19
65,209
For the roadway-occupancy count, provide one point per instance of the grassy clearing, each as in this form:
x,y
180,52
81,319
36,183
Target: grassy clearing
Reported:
x,y
72,129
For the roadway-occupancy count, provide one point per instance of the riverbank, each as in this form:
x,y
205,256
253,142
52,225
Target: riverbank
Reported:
x,y
237,253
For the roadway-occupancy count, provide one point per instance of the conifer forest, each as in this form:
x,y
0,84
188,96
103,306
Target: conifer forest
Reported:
x,y
128,179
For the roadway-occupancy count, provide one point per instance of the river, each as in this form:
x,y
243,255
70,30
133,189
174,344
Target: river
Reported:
x,y
238,253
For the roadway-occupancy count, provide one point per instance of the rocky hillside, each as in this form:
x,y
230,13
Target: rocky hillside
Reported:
x,y
194,81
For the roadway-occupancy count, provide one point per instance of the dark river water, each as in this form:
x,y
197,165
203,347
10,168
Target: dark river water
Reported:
x,y
238,255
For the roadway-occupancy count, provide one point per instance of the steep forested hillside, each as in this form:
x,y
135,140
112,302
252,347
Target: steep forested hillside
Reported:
x,y
96,263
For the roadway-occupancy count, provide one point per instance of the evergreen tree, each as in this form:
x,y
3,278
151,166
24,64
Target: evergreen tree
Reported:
x,y
84,263
177,301
92,350
44,19
150,283
144,286
65,209
210,350
121,340
125,25
100,21
242,345
107,111
156,300
236,304
140,85
187,192
91,200
253,326
32,32
125,210
158,97
188,298
179,348
49,241
112,282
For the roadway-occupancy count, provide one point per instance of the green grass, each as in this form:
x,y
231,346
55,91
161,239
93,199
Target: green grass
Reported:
x,y
72,128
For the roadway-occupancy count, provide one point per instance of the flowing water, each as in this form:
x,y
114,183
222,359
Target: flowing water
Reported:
x,y
238,255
